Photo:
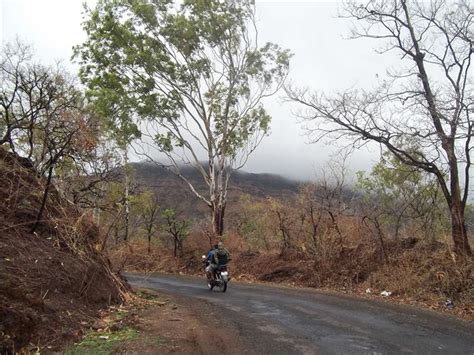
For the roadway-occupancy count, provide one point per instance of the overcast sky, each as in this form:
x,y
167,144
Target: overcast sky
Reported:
x,y
323,60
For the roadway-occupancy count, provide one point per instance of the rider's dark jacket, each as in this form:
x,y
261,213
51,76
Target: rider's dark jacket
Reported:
x,y
221,256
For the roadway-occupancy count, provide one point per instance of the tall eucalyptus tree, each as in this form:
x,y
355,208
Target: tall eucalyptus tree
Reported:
x,y
190,78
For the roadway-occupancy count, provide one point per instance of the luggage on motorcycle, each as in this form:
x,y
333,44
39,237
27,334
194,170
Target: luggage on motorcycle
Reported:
x,y
222,256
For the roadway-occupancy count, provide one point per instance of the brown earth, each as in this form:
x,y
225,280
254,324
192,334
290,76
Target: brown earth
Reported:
x,y
52,279
183,327
165,326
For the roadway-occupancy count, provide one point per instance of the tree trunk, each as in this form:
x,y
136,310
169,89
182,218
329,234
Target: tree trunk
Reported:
x,y
458,230
456,204
218,220
127,220
339,234
127,202
380,235
180,247
45,198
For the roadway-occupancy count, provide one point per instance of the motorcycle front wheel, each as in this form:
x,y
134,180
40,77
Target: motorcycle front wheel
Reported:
x,y
223,286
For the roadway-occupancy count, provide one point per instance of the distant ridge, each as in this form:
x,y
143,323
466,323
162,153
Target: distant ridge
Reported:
x,y
262,183
174,193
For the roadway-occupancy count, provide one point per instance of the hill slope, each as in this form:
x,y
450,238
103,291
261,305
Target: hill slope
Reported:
x,y
52,279
174,193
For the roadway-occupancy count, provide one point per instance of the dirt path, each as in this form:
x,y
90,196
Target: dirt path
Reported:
x,y
154,323
182,326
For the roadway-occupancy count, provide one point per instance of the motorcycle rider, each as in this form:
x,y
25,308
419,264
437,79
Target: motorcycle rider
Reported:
x,y
209,260
221,256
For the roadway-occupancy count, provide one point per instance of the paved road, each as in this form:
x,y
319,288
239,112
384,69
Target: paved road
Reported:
x,y
274,320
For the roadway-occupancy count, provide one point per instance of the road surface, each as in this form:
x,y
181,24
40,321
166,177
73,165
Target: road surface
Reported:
x,y
274,320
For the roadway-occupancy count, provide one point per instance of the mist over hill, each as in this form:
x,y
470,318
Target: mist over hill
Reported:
x,y
260,184
174,193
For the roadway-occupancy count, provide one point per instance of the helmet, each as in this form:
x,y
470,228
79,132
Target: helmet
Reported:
x,y
220,244
215,246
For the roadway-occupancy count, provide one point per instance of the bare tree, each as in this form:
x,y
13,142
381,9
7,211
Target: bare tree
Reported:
x,y
31,95
19,104
58,142
285,226
422,114
42,116
85,181
177,229
312,213
324,202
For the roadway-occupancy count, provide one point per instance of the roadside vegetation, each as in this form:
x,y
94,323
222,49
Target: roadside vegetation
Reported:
x,y
98,343
331,236
119,327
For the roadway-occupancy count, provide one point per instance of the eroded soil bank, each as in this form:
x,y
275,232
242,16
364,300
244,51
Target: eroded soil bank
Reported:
x,y
52,279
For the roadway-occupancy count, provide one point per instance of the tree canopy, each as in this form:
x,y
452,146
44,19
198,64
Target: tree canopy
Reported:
x,y
190,78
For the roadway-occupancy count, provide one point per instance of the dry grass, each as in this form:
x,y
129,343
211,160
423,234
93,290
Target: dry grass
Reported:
x,y
430,276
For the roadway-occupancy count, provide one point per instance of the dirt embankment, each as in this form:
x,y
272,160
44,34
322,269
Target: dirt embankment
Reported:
x,y
424,275
52,280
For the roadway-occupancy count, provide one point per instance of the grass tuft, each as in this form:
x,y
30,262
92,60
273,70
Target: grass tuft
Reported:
x,y
92,343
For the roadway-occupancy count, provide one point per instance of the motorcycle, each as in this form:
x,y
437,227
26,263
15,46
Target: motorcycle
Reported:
x,y
221,277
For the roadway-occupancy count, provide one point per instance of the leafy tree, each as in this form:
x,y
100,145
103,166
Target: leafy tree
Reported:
x,y
146,204
112,208
285,224
84,179
253,222
323,203
189,78
403,195
426,104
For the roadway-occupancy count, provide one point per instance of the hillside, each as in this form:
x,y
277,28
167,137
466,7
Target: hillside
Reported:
x,y
174,193
53,281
